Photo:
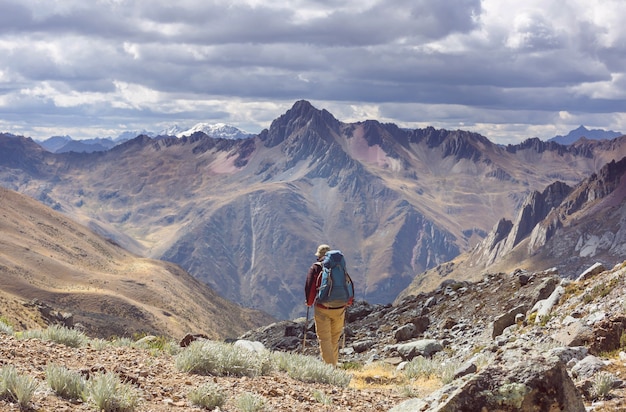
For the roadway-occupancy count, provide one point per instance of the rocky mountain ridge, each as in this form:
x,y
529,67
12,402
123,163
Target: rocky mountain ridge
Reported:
x,y
563,227
65,144
396,202
583,132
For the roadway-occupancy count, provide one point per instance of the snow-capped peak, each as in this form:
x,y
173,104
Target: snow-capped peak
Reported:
x,y
220,130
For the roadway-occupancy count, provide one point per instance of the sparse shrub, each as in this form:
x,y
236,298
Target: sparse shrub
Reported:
x,y
15,387
68,337
5,326
218,358
207,396
98,343
447,370
308,369
408,391
121,342
109,394
157,344
59,334
322,398
602,385
351,366
601,290
545,319
420,367
249,402
64,382
622,340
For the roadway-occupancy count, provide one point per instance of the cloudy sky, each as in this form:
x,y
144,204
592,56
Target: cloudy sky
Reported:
x,y
507,69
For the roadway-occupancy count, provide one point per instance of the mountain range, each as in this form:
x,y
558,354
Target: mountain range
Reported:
x,y
582,131
245,216
61,144
64,144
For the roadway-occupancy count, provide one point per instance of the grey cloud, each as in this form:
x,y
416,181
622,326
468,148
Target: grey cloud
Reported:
x,y
14,16
412,52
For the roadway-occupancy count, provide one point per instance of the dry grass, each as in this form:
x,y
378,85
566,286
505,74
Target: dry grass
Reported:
x,y
385,376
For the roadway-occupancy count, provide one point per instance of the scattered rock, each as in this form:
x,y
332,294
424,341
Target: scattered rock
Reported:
x,y
188,338
591,272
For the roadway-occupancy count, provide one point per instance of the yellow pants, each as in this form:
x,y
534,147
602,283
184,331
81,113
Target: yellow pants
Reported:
x,y
328,326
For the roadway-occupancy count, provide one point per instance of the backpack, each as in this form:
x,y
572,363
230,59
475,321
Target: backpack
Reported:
x,y
335,284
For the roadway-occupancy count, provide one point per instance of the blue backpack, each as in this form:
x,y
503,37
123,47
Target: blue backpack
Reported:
x,y
335,284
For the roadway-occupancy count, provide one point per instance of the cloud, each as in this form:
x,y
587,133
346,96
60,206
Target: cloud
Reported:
x,y
478,65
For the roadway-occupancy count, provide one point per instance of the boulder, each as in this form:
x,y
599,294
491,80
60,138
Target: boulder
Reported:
x,y
574,334
533,384
252,346
404,333
506,319
595,269
424,347
190,337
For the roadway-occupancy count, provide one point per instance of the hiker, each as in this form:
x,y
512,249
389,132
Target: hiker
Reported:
x,y
330,315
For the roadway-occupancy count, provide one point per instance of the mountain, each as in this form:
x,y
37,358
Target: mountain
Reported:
x,y
582,131
64,144
217,130
564,227
64,267
54,143
245,216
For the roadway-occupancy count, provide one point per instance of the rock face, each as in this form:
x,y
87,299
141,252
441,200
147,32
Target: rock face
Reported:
x,y
528,384
564,227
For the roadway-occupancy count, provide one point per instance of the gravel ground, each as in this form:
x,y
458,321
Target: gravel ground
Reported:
x,y
163,388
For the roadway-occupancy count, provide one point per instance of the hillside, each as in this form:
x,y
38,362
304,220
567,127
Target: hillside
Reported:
x,y
245,216
568,228
68,269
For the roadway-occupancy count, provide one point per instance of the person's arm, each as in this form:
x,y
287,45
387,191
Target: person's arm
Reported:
x,y
309,286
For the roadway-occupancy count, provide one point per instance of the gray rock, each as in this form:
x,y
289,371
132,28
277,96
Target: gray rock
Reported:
x,y
587,367
405,333
595,269
252,346
424,347
507,319
570,353
520,387
465,369
545,306
574,334
363,345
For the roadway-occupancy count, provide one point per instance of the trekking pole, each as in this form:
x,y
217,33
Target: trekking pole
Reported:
x,y
306,324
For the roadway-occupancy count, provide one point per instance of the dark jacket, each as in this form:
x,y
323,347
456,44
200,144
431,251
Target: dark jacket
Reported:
x,y
310,287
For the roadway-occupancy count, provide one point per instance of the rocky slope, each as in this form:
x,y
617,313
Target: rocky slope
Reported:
x,y
533,328
520,341
396,202
564,227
